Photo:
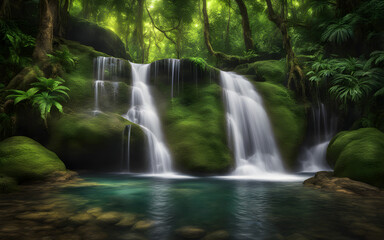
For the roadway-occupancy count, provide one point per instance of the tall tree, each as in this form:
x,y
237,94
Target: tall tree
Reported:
x,y
247,33
139,31
227,42
44,37
295,71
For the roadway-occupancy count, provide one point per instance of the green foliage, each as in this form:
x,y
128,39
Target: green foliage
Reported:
x,y
45,94
199,62
16,48
341,30
64,58
349,80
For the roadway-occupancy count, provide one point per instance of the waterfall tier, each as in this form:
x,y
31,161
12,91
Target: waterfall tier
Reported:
x,y
249,131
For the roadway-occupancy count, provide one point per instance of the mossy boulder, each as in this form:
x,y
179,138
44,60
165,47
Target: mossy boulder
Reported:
x,y
273,71
91,34
85,141
358,155
195,127
287,118
23,159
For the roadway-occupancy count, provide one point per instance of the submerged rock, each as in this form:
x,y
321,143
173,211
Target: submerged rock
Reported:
x,y
190,232
109,217
25,159
143,225
328,181
358,155
128,220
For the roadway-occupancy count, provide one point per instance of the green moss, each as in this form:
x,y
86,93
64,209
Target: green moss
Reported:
x,y
86,141
25,159
195,127
7,184
287,118
273,71
80,80
359,155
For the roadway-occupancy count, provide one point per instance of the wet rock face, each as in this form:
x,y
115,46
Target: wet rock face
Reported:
x,y
327,181
101,39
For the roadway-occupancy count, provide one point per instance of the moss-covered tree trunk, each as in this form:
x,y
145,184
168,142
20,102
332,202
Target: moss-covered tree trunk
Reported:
x,y
139,31
227,42
44,37
295,72
247,33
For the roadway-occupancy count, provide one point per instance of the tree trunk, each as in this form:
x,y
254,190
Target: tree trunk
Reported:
x,y
85,8
247,33
295,72
139,38
227,42
44,37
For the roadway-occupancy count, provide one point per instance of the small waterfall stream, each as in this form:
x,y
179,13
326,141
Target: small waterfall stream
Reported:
x,y
143,112
313,157
249,130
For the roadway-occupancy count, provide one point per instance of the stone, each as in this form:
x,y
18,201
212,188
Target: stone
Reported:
x,y
109,217
24,159
190,232
95,211
81,218
128,220
327,181
217,235
143,225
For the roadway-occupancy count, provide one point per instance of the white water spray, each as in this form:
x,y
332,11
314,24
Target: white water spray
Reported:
x,y
249,130
313,158
143,112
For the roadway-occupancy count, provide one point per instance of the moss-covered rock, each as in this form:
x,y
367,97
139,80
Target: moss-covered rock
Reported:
x,y
287,118
81,79
97,142
91,34
24,159
273,71
7,184
359,155
195,127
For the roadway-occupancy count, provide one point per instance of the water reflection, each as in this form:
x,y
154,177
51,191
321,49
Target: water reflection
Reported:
x,y
160,208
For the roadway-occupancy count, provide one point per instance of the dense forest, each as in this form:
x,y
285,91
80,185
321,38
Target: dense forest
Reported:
x,y
267,91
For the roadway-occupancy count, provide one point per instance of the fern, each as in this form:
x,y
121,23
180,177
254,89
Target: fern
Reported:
x,y
64,58
341,30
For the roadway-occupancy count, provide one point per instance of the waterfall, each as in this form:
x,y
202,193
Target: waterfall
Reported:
x,y
174,73
127,147
249,131
143,112
107,74
313,157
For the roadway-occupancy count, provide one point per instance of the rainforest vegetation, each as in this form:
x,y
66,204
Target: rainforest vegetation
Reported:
x,y
268,90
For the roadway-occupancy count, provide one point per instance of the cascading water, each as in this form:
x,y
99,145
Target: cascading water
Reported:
x,y
108,70
313,158
143,112
174,73
249,130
